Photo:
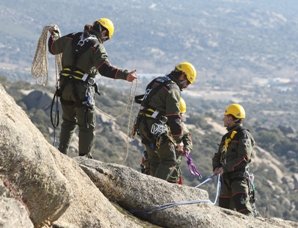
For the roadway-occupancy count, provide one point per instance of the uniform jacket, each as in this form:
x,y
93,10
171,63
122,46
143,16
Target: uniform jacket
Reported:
x,y
235,150
95,58
166,101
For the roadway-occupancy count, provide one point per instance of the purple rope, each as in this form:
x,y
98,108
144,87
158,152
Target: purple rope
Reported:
x,y
191,166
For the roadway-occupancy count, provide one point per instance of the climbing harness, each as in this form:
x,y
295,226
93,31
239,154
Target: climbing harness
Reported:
x,y
179,203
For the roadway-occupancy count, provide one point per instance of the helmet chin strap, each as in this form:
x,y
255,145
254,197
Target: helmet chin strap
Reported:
x,y
183,83
104,35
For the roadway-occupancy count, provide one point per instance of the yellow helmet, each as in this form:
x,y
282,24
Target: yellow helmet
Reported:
x,y
235,110
182,105
189,70
107,24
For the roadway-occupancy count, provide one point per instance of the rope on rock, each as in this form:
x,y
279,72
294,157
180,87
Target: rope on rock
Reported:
x,y
179,203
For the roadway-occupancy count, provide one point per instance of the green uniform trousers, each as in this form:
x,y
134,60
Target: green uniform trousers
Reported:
x,y
74,113
234,194
163,160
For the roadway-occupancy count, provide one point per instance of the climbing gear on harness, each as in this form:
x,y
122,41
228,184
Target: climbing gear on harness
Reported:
x,y
159,128
235,110
251,191
88,101
191,166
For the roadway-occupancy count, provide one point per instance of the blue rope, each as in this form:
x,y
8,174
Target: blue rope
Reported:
x,y
188,202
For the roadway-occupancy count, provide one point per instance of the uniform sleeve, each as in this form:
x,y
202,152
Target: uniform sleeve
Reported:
x,y
173,114
244,153
109,71
56,46
104,67
216,158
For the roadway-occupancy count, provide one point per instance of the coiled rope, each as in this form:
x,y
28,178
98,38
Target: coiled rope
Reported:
x,y
39,68
39,71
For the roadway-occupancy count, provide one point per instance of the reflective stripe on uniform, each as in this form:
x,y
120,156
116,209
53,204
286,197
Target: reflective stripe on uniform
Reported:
x,y
79,75
151,113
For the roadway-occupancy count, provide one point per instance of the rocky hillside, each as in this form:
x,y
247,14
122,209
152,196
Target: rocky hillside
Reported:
x,y
40,187
275,175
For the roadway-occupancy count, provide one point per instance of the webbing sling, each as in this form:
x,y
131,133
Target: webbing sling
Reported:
x,y
228,141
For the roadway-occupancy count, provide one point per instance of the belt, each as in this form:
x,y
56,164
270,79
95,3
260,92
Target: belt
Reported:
x,y
151,113
77,74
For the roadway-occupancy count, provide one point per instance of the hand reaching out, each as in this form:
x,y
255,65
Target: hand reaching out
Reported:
x,y
131,76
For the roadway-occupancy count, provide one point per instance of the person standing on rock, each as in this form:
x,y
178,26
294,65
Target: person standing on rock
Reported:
x,y
231,161
159,121
83,55
184,147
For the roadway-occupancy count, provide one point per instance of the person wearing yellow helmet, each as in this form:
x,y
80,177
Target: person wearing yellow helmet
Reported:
x,y
159,122
189,71
83,57
104,27
234,155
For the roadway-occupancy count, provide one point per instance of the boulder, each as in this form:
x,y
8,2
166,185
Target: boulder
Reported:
x,y
38,99
50,185
143,196
12,212
28,167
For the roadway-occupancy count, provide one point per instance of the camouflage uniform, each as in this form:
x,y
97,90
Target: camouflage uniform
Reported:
x,y
234,154
164,102
76,84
